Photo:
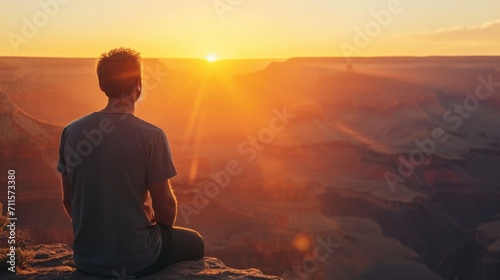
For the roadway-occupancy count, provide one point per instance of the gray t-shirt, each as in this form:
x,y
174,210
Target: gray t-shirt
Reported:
x,y
109,159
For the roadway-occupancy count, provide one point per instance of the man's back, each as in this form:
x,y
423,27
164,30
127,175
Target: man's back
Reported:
x,y
109,158
115,169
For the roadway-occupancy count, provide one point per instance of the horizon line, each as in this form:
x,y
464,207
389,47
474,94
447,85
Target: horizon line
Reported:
x,y
267,58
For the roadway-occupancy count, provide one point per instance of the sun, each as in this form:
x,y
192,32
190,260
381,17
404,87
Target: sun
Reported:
x,y
211,57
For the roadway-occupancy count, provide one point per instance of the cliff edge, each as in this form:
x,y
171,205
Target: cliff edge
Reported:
x,y
55,262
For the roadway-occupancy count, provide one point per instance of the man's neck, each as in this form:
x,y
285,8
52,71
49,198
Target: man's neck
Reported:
x,y
119,106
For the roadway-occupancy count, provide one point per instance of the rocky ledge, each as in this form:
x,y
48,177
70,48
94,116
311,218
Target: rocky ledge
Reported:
x,y
55,262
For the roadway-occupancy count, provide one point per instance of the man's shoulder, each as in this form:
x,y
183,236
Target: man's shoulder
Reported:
x,y
79,121
128,119
145,125
109,122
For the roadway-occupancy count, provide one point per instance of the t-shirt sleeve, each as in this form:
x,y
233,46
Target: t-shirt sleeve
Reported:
x,y
160,164
61,164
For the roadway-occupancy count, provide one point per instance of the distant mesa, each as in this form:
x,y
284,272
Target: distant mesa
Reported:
x,y
8,73
307,111
22,133
30,148
6,104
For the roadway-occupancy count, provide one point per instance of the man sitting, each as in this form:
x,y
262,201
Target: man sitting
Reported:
x,y
115,171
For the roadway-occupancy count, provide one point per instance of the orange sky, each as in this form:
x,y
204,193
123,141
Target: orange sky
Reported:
x,y
250,28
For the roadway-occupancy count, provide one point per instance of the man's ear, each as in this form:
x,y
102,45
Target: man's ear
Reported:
x,y
139,84
139,88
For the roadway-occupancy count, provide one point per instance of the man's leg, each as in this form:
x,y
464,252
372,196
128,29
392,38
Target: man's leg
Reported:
x,y
186,245
179,244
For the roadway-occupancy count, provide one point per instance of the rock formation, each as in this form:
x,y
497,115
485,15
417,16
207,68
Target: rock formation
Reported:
x,y
55,262
29,146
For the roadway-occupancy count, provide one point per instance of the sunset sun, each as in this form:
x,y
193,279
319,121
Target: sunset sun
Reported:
x,y
211,57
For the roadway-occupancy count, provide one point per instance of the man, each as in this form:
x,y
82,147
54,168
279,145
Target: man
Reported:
x,y
113,164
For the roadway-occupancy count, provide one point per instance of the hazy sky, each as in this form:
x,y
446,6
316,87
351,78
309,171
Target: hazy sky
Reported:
x,y
250,28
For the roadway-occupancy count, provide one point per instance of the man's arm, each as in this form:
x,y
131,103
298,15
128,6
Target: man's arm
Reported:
x,y
66,194
164,202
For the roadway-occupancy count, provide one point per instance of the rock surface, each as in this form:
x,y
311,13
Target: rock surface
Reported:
x,y
55,262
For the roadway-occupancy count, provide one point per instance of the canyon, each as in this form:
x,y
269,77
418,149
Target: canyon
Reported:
x,y
321,179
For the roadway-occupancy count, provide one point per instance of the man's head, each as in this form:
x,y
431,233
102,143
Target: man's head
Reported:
x,y
119,72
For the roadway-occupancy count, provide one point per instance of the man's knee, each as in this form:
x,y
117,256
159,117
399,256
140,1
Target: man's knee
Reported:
x,y
194,240
199,245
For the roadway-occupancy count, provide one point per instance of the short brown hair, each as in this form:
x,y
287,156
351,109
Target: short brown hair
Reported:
x,y
118,71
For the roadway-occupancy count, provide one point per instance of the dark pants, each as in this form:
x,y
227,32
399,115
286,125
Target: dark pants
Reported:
x,y
179,244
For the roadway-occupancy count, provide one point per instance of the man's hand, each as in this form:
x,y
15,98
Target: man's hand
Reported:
x,y
164,202
66,194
